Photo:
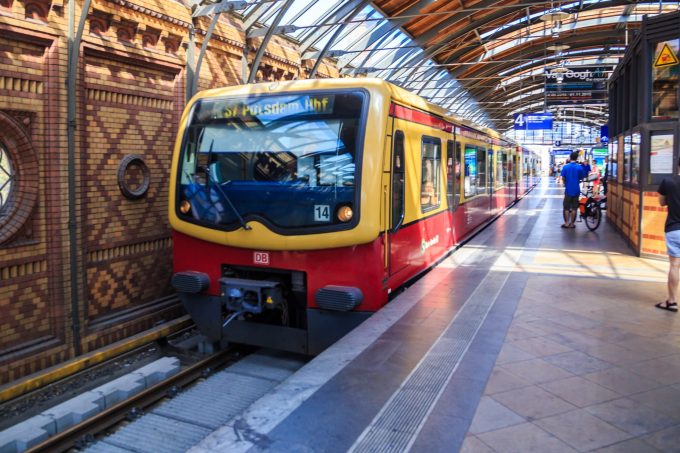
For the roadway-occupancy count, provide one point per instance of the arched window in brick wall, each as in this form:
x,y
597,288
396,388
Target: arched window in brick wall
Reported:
x,y
19,177
6,177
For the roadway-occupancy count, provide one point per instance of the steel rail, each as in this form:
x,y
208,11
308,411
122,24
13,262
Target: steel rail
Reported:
x,y
73,436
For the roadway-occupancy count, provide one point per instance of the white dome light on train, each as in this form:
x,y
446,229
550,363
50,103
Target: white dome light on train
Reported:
x,y
345,214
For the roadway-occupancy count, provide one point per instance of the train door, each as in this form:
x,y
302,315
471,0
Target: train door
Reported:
x,y
491,181
398,240
452,175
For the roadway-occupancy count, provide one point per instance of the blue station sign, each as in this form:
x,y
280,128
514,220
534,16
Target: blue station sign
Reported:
x,y
533,121
604,133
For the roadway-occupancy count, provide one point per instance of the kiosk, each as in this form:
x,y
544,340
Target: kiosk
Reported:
x,y
643,133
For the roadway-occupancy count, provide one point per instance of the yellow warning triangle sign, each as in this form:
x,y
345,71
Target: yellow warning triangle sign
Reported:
x,y
666,58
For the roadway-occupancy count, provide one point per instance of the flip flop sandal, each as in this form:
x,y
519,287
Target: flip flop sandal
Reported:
x,y
666,306
564,225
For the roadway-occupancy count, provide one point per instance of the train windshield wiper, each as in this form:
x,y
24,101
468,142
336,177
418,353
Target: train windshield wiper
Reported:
x,y
208,182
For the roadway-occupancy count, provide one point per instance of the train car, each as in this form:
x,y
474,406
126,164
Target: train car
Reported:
x,y
298,207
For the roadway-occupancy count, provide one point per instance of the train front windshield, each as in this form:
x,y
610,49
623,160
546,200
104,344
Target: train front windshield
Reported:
x,y
289,161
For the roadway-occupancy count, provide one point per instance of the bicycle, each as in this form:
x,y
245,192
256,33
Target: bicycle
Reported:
x,y
590,209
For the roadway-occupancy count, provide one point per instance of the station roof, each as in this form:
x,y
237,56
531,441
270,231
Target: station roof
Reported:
x,y
480,59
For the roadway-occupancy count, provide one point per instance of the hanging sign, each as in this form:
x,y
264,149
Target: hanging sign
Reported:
x,y
666,58
582,85
604,133
533,121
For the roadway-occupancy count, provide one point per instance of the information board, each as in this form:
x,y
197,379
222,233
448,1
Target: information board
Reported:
x,y
661,154
586,84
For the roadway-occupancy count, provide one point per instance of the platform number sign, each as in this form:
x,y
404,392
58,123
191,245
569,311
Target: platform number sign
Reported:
x,y
533,121
322,213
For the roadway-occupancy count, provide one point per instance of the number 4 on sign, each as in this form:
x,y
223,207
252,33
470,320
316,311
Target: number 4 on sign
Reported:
x,y
520,120
666,58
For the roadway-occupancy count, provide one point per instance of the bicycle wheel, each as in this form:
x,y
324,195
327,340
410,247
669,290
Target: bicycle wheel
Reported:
x,y
593,216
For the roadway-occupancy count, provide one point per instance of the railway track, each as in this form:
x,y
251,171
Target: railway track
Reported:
x,y
178,412
80,434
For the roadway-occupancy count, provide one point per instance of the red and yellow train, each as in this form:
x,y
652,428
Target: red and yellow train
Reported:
x,y
299,207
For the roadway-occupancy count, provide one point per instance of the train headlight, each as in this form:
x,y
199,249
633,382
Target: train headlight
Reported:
x,y
345,214
184,207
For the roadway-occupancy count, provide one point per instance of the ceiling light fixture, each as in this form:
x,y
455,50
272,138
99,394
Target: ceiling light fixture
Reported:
x,y
558,47
557,16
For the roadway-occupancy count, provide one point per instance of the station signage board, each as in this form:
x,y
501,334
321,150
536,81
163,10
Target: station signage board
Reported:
x,y
582,85
533,121
561,153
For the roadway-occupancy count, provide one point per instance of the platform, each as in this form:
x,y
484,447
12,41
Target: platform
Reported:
x,y
528,338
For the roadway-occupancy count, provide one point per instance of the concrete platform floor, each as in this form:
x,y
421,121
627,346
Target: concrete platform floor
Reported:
x,y
530,338
588,363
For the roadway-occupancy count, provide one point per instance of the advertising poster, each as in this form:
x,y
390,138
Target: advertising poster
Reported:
x,y
661,154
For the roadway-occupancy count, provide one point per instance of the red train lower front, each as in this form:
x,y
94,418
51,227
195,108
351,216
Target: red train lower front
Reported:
x,y
304,301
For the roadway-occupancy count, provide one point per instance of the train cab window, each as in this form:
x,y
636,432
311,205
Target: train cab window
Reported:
x,y
481,171
398,180
430,189
470,171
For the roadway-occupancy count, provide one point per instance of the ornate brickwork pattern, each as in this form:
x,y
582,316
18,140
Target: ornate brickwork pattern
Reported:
x,y
130,93
25,311
133,280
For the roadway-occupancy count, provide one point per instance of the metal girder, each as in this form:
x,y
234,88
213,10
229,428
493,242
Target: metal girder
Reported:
x,y
486,93
537,50
218,8
365,56
254,15
430,51
369,37
494,16
372,37
433,71
265,40
339,14
332,39
347,30
446,90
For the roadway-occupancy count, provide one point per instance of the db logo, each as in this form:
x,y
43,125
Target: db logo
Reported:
x,y
261,258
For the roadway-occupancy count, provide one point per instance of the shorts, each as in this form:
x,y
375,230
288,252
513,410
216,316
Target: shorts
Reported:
x,y
673,243
570,203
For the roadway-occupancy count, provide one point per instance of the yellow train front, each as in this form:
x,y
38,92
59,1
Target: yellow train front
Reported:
x,y
297,207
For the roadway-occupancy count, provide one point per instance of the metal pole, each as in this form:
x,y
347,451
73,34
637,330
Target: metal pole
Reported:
x,y
204,47
265,40
191,50
74,40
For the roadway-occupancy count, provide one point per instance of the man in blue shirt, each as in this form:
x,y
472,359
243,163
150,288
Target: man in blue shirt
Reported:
x,y
572,174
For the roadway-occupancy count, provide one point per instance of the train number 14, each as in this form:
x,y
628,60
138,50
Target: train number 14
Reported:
x,y
322,213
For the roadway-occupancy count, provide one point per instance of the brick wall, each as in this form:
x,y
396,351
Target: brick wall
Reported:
x,y
130,93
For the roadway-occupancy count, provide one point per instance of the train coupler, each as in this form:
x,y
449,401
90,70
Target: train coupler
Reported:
x,y
250,296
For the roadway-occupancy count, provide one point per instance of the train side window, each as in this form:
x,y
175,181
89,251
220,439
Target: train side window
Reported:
x,y
481,171
501,168
430,189
398,181
470,171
